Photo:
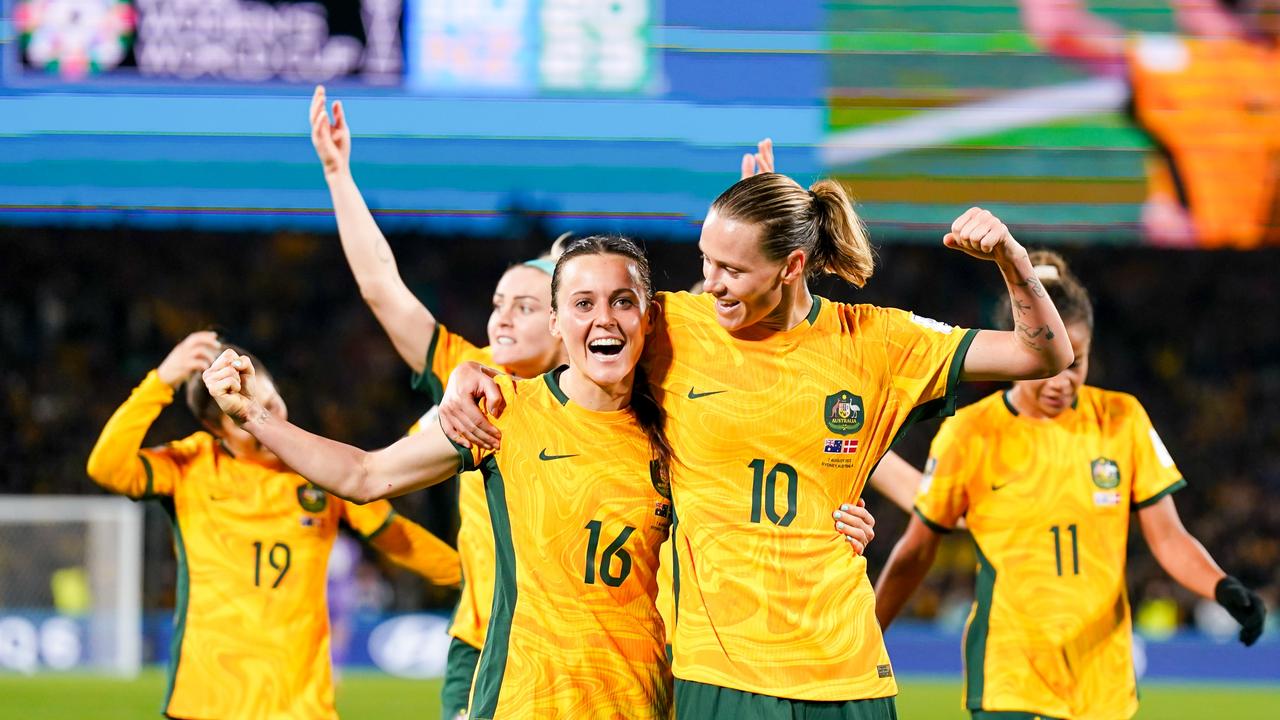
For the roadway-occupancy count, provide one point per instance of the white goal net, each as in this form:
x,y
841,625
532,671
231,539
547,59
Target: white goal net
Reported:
x,y
70,584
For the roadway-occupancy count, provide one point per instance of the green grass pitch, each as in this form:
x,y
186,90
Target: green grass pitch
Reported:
x,y
373,695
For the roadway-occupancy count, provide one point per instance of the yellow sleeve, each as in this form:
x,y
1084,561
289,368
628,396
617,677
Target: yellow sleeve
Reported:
x,y
117,461
444,354
404,542
944,496
1154,472
925,359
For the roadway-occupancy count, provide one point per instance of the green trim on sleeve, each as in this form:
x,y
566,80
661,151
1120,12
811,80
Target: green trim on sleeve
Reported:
x,y
944,406
386,523
426,381
975,635
179,605
150,491
1174,487
953,373
464,455
493,660
938,528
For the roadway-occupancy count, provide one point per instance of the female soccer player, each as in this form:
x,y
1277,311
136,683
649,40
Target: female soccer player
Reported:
x,y
251,637
1046,474
578,498
779,404
519,342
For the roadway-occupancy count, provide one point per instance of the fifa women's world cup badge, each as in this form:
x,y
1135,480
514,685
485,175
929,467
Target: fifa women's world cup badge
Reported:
x,y
74,38
843,413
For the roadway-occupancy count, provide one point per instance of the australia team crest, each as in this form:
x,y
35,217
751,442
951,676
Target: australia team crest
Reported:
x,y
311,498
843,413
1106,473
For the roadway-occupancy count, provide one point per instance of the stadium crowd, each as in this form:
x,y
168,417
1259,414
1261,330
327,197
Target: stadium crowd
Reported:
x,y
1193,334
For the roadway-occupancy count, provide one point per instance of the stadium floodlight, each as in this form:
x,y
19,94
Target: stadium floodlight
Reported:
x,y
70,584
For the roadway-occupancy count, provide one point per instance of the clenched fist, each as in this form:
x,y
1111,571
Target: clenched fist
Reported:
x,y
982,235
232,383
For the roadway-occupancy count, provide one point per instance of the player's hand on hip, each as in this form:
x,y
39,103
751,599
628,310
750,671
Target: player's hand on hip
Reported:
x,y
192,355
332,140
232,383
460,415
979,233
1244,605
761,161
856,524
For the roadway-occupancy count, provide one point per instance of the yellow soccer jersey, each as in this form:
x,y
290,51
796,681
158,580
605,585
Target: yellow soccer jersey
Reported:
x,y
475,534
578,521
1047,502
769,436
251,635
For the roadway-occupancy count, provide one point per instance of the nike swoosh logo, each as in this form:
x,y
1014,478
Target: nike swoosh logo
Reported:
x,y
544,456
995,487
694,395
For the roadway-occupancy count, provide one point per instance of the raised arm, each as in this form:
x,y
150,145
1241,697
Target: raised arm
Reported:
x,y
1038,345
115,462
405,319
359,476
1187,562
1069,30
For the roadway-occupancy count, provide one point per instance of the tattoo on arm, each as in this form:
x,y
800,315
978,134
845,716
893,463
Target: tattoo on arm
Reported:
x,y
262,416
1020,307
1029,335
1033,285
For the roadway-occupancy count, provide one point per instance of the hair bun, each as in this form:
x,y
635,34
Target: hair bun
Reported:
x,y
1048,272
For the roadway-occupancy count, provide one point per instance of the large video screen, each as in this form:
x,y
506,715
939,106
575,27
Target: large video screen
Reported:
x,y
1106,121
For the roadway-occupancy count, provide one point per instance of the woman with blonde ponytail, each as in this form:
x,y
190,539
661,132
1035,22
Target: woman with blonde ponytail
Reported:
x,y
1045,474
779,404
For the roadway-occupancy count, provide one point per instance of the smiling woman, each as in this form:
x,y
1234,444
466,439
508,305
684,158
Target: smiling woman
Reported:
x,y
577,434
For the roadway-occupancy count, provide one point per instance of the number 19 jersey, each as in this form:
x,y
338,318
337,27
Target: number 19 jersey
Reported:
x,y
770,435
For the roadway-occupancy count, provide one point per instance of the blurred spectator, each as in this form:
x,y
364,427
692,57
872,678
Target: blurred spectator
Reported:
x,y
1208,99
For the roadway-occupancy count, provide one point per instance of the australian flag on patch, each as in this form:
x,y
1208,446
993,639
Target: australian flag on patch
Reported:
x,y
839,447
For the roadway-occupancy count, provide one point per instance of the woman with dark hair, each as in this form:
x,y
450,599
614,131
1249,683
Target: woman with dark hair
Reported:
x,y
252,540
571,633
1046,474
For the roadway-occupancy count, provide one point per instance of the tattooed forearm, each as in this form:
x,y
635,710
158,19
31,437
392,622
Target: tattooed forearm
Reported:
x,y
1029,335
1020,307
1032,284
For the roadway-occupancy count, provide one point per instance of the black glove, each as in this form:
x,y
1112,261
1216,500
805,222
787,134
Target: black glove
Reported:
x,y
1244,605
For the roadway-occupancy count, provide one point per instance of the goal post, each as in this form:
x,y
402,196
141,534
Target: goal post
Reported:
x,y
70,584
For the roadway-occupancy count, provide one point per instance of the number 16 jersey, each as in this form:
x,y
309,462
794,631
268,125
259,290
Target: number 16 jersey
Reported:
x,y
577,522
